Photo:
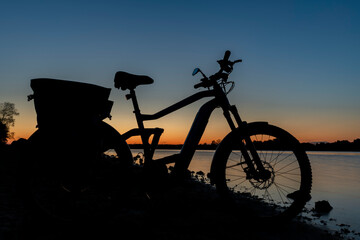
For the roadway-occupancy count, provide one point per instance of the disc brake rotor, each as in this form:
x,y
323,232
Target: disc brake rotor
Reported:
x,y
264,183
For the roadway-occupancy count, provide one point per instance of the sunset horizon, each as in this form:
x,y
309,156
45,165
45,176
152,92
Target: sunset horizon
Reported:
x,y
299,71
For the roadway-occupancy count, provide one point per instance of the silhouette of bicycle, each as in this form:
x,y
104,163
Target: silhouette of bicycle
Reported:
x,y
83,167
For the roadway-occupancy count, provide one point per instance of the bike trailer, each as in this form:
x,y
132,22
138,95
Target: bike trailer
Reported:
x,y
69,102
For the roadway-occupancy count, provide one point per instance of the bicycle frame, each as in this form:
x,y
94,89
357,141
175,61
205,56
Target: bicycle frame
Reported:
x,y
182,160
194,135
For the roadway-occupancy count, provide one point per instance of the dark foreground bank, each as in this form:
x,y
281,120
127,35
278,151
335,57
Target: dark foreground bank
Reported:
x,y
188,210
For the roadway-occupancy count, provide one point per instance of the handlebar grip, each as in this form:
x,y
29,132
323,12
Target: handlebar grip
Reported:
x,y
198,85
227,55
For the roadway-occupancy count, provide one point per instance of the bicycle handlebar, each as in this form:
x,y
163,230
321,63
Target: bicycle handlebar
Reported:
x,y
205,82
199,85
225,65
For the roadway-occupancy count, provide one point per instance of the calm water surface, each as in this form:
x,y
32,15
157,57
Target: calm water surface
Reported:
x,y
336,178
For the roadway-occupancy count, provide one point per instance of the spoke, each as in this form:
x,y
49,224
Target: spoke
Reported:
x,y
237,158
292,188
284,192
286,165
241,182
277,162
234,165
288,172
290,179
285,173
235,169
278,190
274,161
233,160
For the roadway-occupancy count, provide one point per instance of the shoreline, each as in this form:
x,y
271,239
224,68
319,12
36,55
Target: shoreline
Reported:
x,y
184,211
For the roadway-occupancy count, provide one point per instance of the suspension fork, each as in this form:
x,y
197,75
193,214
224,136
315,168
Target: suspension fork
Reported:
x,y
249,145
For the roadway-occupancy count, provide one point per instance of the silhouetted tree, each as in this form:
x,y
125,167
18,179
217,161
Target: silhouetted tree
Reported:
x,y
4,133
7,113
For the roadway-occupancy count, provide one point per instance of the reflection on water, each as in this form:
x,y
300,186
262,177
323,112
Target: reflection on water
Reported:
x,y
336,178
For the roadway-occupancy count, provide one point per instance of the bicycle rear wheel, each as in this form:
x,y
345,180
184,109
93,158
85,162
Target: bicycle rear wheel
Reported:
x,y
280,196
81,177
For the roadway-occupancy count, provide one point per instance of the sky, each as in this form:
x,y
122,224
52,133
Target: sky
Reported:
x,y
300,67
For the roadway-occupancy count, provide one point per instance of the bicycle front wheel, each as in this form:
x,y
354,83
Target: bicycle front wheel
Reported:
x,y
284,192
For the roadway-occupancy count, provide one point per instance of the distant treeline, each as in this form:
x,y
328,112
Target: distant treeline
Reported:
x,y
271,145
178,146
335,146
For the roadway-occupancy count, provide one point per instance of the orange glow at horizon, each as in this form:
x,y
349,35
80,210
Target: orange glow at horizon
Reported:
x,y
177,126
177,135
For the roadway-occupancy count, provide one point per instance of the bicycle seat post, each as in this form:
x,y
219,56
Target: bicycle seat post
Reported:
x,y
137,112
140,121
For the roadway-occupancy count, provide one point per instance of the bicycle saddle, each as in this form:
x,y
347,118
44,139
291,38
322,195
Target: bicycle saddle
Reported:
x,y
130,81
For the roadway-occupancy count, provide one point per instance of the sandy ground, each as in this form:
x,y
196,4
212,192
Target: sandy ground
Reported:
x,y
189,210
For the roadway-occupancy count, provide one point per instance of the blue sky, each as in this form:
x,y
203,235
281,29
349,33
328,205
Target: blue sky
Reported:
x,y
300,70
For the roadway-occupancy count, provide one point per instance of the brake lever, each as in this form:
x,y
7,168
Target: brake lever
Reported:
x,y
236,61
